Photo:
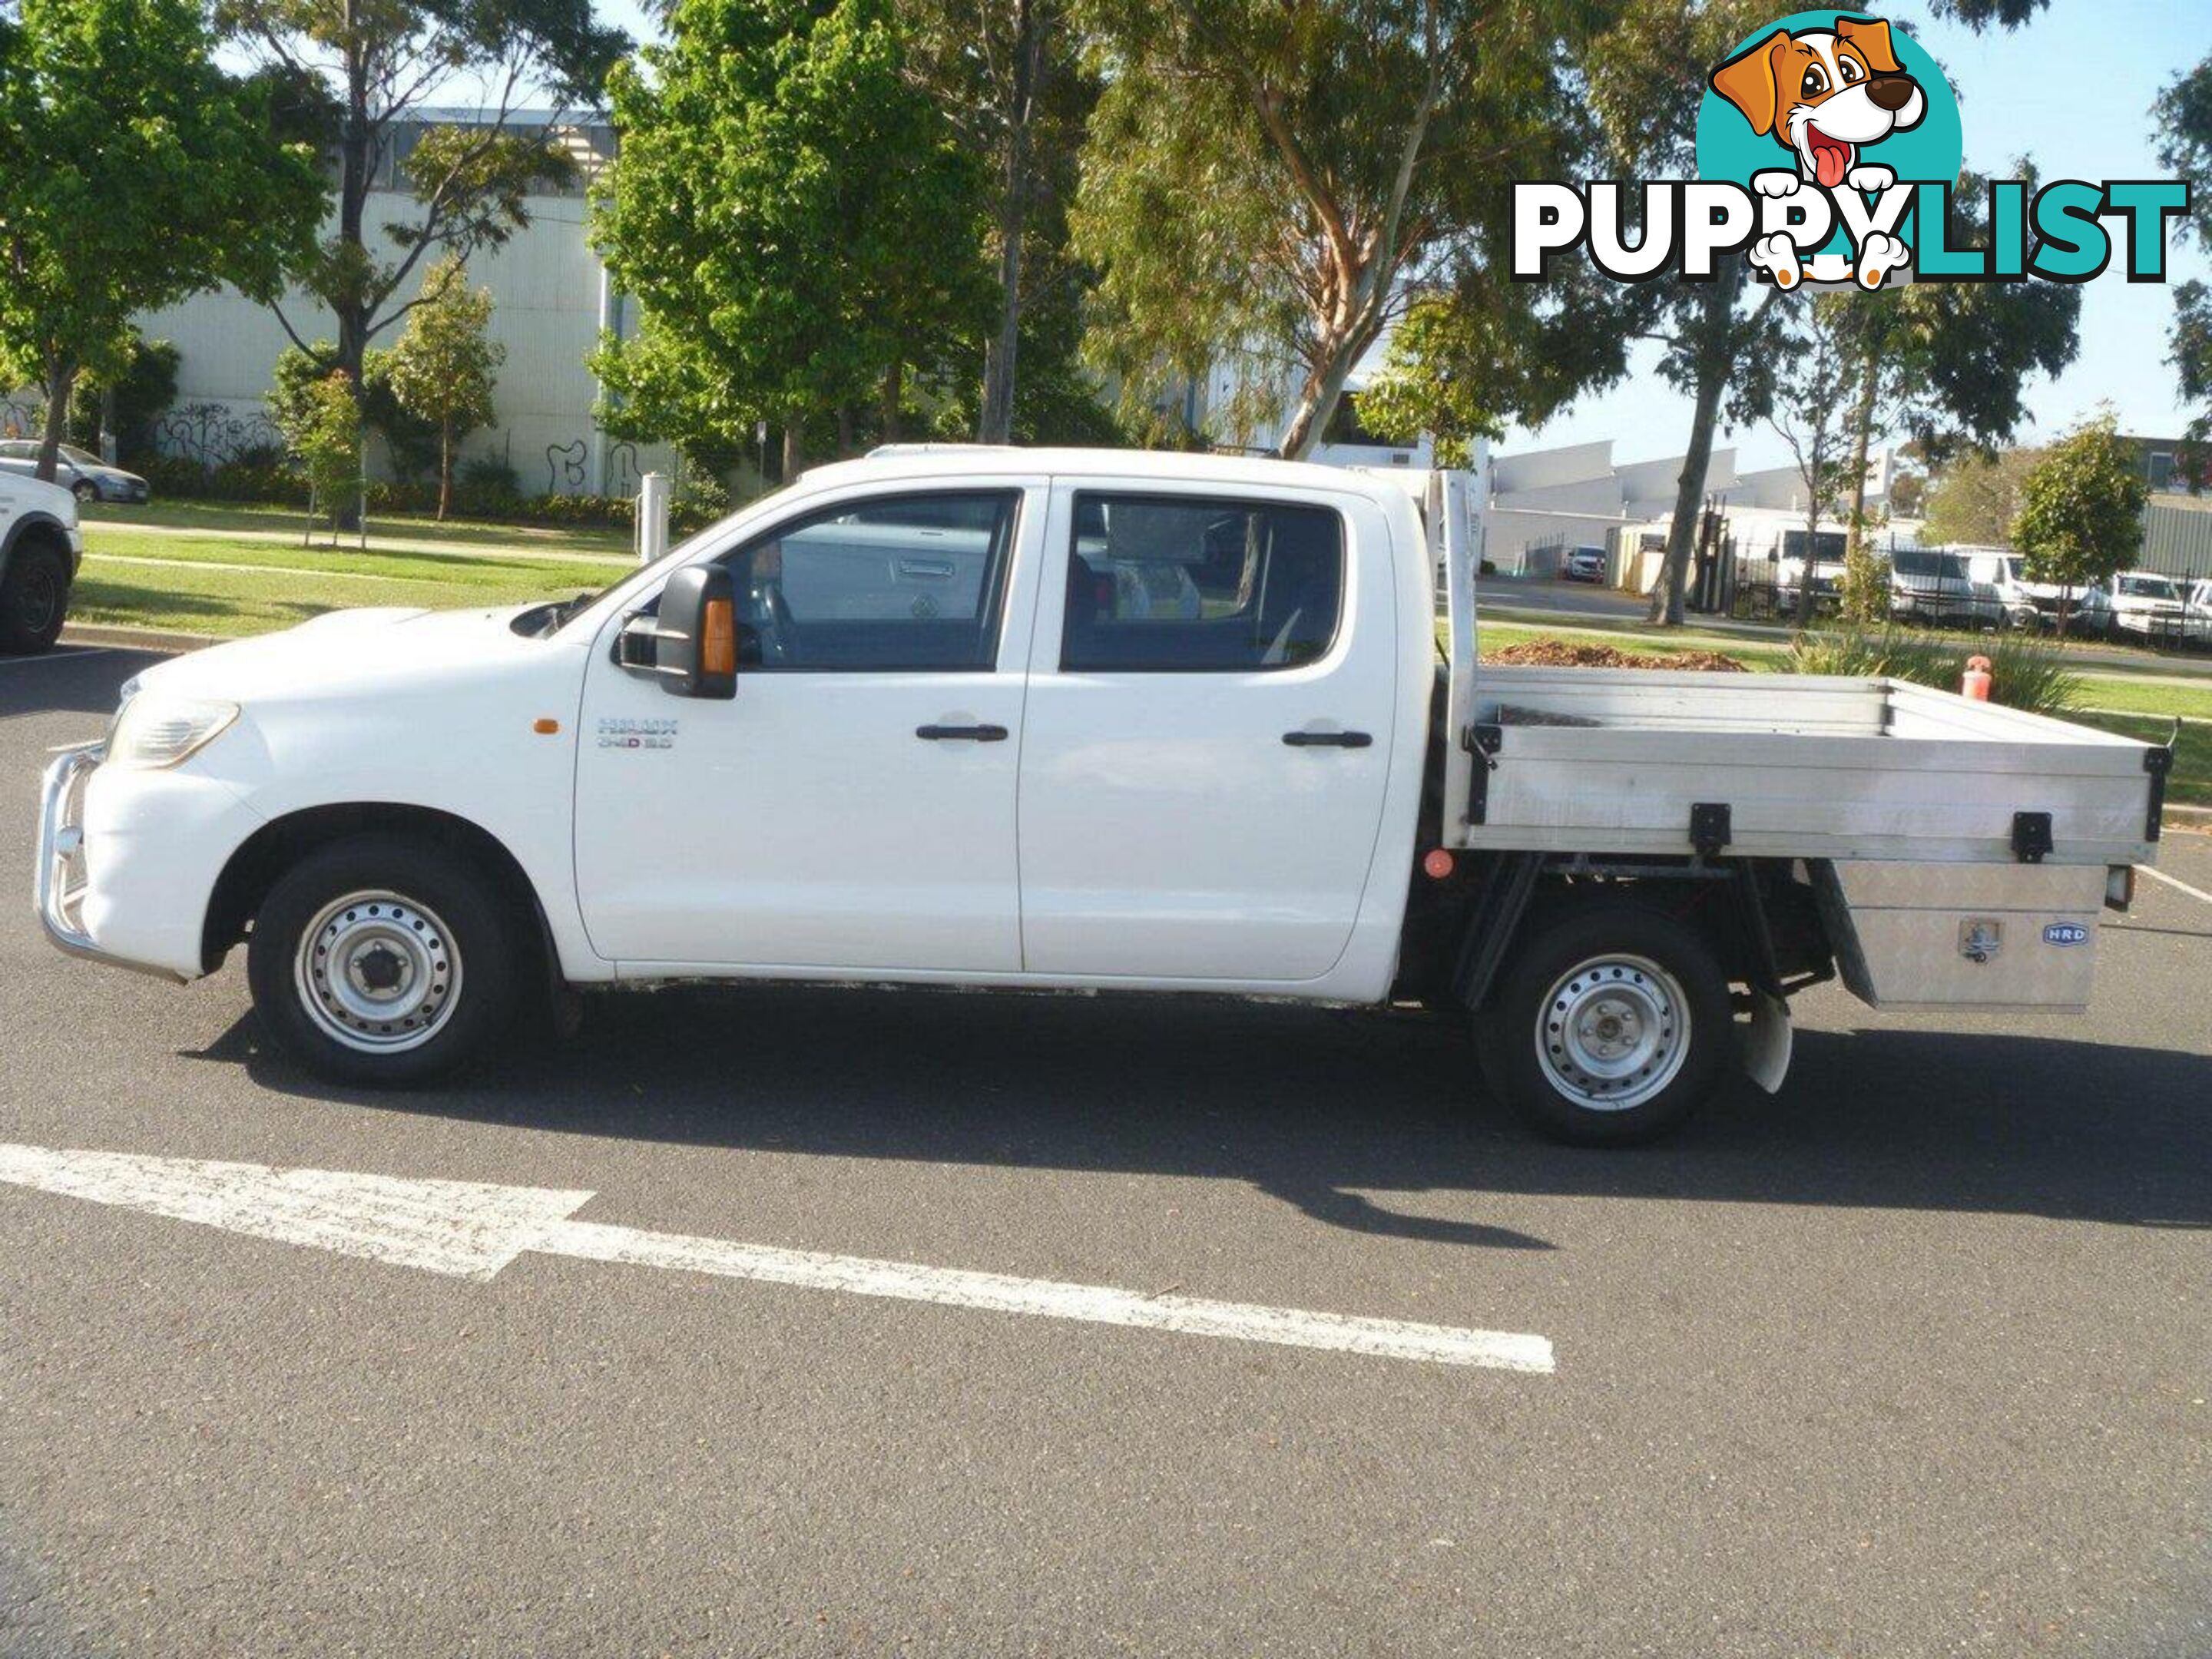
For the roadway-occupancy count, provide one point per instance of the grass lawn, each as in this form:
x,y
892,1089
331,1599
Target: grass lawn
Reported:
x,y
2190,784
209,585
235,516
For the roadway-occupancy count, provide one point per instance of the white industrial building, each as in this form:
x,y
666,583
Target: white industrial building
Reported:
x,y
551,299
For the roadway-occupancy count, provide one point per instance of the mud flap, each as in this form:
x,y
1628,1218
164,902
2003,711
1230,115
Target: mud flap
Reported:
x,y
1767,1046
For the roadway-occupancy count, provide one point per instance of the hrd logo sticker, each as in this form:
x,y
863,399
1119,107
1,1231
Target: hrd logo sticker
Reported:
x,y
1829,145
2065,933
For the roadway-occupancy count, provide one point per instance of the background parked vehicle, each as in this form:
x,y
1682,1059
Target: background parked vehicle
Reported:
x,y
2197,596
40,549
80,471
2149,606
1583,564
1930,584
1828,549
2036,605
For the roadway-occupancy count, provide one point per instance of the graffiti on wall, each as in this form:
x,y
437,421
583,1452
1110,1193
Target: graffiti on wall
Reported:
x,y
215,434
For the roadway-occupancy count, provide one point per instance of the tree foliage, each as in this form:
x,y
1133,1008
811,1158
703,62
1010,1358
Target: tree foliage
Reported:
x,y
2081,507
1009,76
2183,119
443,368
321,424
798,222
1814,421
133,171
1289,178
360,73
1975,498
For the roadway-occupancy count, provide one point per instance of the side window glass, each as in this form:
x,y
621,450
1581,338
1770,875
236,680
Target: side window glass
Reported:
x,y
1178,584
894,583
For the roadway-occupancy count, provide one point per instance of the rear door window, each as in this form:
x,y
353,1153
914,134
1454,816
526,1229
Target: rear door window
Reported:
x,y
1179,584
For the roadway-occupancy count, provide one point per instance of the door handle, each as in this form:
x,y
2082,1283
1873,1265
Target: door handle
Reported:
x,y
961,733
1327,739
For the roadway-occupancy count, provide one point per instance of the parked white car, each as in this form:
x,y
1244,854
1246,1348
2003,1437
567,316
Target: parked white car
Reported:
x,y
2036,605
2197,596
912,719
2148,606
40,548
1933,585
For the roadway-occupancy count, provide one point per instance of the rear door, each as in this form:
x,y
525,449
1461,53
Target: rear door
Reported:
x,y
1208,732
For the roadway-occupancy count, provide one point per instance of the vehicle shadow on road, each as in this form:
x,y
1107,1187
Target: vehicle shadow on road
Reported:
x,y
1323,1109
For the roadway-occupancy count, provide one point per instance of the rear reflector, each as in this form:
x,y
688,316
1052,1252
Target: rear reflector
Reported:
x,y
1436,864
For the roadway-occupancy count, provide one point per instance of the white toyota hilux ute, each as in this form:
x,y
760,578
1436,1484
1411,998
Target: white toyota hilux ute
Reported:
x,y
40,548
1065,719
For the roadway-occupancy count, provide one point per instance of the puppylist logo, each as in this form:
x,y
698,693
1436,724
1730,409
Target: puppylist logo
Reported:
x,y
1829,148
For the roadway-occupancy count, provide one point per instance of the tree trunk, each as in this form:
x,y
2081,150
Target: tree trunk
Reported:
x,y
844,430
1862,440
1805,571
996,423
1323,390
61,379
793,448
894,397
1667,598
1716,360
445,468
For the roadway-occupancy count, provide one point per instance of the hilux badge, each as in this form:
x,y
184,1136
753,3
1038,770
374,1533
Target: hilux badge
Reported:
x,y
622,733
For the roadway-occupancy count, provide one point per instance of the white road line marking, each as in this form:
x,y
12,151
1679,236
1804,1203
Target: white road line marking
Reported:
x,y
471,1229
2160,875
459,1227
55,654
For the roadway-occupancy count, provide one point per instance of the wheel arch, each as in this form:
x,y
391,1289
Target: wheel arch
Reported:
x,y
32,530
1736,906
254,867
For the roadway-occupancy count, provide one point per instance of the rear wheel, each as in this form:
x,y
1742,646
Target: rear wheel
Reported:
x,y
386,960
85,490
34,598
1612,1025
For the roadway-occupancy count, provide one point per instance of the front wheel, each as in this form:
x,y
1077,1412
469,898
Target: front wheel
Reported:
x,y
34,599
1612,1025
385,960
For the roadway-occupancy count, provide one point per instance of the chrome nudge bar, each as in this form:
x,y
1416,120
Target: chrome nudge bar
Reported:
x,y
60,878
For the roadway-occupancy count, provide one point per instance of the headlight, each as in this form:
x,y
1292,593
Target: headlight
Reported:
x,y
153,732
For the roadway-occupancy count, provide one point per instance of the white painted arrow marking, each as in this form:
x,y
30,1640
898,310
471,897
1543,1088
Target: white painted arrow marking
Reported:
x,y
471,1229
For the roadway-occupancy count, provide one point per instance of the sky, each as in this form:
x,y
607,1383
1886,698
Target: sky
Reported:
x,y
2071,91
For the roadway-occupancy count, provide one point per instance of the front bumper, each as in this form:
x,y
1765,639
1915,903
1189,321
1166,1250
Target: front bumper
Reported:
x,y
61,881
128,860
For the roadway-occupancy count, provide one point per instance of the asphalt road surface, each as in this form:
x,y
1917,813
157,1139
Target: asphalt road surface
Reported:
x,y
1913,1360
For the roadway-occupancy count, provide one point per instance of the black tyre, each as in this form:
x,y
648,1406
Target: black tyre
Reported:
x,y
34,598
385,960
1611,1025
85,490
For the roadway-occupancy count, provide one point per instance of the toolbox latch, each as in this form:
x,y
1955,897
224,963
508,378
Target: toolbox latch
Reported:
x,y
2031,836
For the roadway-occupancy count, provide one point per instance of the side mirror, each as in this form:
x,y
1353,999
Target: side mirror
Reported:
x,y
692,645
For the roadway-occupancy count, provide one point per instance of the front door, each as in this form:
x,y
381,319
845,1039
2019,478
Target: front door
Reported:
x,y
1209,734
853,806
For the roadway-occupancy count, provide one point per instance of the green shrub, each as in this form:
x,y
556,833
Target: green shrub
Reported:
x,y
2025,672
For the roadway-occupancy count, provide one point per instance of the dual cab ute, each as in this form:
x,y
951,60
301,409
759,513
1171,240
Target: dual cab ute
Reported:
x,y
1050,720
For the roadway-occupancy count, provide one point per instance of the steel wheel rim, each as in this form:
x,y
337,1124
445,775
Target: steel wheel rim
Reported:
x,y
378,973
1613,1032
34,604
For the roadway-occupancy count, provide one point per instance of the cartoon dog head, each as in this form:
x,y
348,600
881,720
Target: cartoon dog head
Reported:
x,y
1824,94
